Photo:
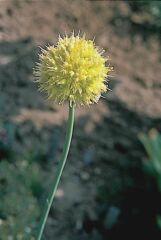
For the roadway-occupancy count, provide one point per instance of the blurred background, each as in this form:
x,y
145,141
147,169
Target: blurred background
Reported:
x,y
111,186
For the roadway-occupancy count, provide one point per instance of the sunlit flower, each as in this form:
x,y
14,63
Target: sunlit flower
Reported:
x,y
73,70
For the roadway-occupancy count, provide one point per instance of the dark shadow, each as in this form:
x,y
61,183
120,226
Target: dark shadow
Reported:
x,y
124,24
18,90
138,201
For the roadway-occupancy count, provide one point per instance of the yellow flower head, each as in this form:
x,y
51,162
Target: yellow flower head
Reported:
x,y
73,70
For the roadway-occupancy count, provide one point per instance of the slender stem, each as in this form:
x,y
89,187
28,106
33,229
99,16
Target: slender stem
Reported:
x,y
59,171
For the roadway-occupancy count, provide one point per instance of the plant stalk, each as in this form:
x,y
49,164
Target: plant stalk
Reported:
x,y
59,171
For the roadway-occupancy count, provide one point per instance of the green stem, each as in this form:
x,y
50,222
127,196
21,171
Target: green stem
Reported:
x,y
59,171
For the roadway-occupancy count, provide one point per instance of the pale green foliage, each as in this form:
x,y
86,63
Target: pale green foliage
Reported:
x,y
152,166
152,145
18,207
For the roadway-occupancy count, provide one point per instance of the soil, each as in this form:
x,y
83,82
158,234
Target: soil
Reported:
x,y
104,168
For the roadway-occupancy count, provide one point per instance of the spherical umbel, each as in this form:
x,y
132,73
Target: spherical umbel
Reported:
x,y
73,70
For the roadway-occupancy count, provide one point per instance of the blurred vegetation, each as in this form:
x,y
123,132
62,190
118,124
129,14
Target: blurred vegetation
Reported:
x,y
152,166
20,188
6,139
149,11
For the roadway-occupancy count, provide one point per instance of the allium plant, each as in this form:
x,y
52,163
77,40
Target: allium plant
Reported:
x,y
73,70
